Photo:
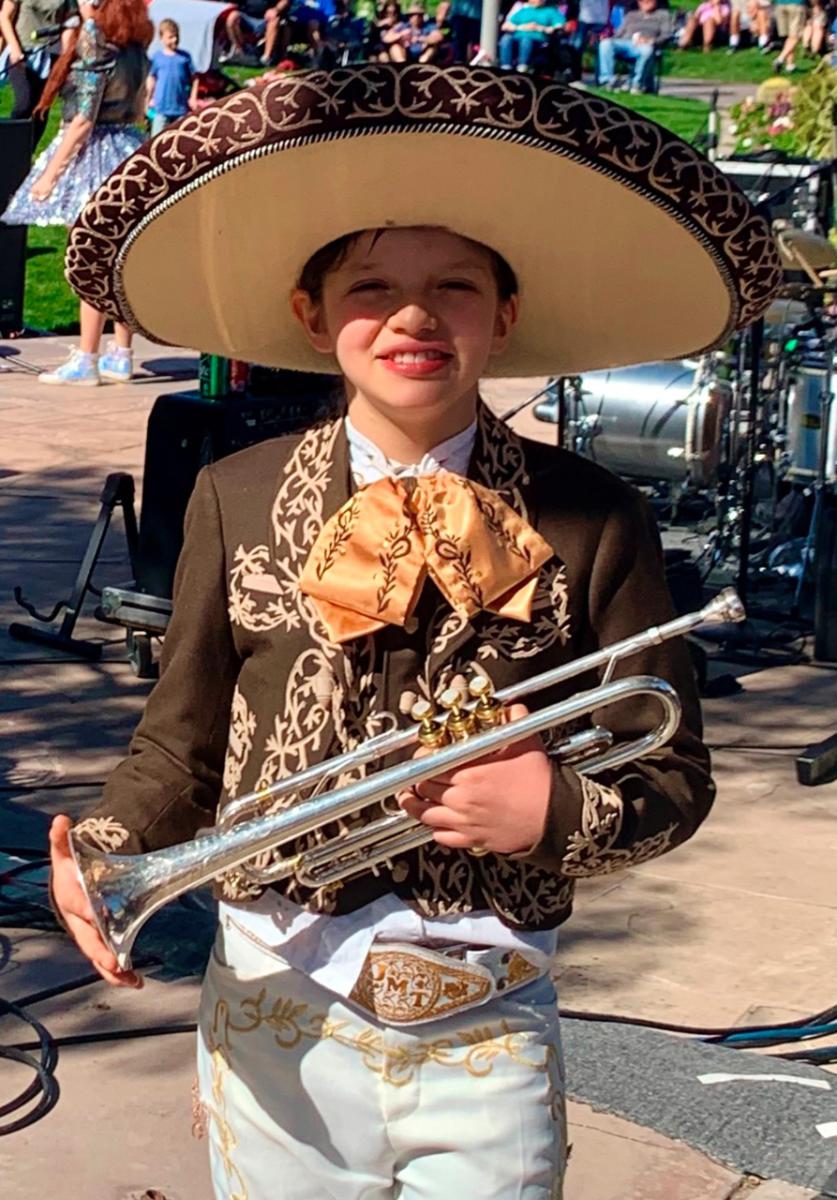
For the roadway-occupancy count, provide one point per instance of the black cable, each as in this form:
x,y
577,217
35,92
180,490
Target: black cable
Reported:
x,y
821,1054
829,1014
113,1035
45,1085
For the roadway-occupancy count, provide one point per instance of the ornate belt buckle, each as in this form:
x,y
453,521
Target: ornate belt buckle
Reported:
x,y
408,985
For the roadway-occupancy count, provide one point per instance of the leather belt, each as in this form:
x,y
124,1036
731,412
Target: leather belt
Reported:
x,y
406,984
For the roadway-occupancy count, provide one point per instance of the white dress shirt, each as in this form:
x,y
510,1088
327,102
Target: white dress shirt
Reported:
x,y
332,949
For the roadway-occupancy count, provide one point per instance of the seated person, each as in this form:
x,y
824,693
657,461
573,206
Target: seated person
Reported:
x,y
816,28
346,34
755,17
526,28
642,31
712,16
415,40
253,23
388,16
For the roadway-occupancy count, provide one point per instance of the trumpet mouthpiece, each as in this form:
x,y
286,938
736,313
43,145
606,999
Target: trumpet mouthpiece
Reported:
x,y
725,607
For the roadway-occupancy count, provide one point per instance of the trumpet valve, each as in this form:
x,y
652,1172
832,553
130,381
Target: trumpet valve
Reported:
x,y
431,733
487,712
459,723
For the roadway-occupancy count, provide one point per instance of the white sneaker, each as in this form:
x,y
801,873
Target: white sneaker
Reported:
x,y
79,370
116,365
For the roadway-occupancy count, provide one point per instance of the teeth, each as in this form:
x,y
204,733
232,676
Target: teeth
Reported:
x,y
407,356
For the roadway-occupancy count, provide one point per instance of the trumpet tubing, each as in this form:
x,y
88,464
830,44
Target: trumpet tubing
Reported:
x,y
124,890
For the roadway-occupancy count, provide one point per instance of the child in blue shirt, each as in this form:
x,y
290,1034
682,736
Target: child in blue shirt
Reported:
x,y
172,87
527,27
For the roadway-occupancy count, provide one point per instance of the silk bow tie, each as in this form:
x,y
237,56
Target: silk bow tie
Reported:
x,y
368,565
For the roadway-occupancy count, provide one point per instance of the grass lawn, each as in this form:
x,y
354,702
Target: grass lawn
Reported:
x,y
745,66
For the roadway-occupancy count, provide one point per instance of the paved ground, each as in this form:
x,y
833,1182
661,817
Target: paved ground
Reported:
x,y
734,928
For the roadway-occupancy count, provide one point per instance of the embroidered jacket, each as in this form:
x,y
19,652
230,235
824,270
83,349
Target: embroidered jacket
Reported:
x,y
251,689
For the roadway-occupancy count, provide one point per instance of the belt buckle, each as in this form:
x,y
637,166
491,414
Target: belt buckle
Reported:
x,y
409,985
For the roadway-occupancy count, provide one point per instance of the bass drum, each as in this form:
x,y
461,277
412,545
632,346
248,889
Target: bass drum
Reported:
x,y
804,422
663,421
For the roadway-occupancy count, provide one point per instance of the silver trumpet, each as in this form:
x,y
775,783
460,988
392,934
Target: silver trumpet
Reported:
x,y
124,890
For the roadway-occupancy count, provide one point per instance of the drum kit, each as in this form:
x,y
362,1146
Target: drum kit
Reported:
x,y
741,443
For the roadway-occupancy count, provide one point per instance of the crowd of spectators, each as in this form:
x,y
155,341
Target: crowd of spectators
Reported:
x,y
557,37
789,26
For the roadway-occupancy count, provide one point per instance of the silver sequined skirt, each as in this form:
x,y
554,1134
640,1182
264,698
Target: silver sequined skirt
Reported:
x,y
106,147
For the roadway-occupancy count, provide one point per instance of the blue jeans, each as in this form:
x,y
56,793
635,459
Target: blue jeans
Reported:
x,y
642,56
583,30
519,45
159,122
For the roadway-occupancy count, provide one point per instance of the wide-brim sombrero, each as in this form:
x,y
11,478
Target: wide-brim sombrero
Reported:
x,y
628,245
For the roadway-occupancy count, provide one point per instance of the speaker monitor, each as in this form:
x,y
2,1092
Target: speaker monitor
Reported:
x,y
186,432
825,580
15,156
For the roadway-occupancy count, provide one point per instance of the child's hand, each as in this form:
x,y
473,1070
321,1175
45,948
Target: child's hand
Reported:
x,y
74,907
496,803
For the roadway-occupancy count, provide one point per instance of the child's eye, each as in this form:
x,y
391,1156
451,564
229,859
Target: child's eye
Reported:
x,y
367,285
459,285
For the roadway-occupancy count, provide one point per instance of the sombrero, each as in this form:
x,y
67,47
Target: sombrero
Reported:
x,y
628,245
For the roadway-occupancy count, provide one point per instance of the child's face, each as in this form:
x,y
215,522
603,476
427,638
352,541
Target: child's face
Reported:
x,y
169,39
413,318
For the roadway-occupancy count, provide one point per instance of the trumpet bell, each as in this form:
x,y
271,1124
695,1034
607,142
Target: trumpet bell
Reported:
x,y
122,896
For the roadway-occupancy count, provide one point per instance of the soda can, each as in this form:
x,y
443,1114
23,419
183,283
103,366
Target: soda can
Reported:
x,y
239,375
214,376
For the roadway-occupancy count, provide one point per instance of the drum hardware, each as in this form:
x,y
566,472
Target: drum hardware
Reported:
x,y
124,890
826,473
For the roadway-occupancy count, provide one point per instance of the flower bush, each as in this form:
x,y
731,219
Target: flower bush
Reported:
x,y
795,118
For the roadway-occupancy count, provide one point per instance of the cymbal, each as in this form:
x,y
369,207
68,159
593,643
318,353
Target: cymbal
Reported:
x,y
801,250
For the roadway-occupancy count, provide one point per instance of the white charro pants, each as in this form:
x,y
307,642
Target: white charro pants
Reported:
x,y
309,1098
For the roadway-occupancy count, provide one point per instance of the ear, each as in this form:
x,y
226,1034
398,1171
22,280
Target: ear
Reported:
x,y
504,322
311,317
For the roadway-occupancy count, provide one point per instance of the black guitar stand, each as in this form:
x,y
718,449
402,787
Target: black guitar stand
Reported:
x,y
118,490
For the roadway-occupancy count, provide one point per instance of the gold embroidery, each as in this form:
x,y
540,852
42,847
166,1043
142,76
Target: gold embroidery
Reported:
x,y
200,1113
475,1050
519,970
225,1141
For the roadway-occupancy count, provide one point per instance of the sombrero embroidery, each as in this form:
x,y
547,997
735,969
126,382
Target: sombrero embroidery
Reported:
x,y
629,245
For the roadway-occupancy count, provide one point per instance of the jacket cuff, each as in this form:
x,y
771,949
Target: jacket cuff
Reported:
x,y
583,822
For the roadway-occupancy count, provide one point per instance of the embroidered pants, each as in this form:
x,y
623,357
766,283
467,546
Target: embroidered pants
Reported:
x,y
308,1098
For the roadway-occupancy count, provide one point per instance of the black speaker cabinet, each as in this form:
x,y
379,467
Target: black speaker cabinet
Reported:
x,y
825,581
15,157
186,432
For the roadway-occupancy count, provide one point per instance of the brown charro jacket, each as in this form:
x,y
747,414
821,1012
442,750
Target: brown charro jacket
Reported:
x,y
251,689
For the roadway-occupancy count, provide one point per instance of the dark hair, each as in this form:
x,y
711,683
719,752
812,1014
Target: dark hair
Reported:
x,y
333,254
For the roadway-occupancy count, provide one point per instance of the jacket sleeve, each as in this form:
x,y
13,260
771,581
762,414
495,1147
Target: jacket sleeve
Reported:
x,y
629,814
168,786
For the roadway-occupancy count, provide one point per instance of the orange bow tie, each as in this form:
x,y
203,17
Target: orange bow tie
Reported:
x,y
368,565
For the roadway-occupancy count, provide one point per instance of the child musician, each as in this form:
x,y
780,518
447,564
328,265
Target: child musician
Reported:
x,y
398,1035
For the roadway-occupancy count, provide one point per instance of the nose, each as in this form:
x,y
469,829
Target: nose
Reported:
x,y
413,319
